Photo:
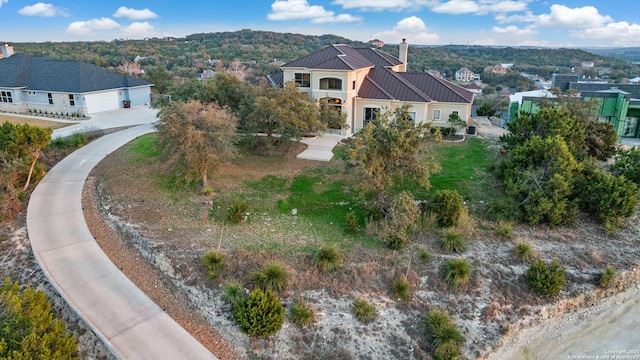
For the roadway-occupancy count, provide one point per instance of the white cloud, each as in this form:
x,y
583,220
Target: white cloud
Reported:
x,y
377,5
40,9
134,14
479,7
3,2
139,30
565,17
86,28
514,30
300,9
457,7
412,28
621,33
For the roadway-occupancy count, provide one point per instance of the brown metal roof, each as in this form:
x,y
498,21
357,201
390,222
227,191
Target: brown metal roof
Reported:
x,y
378,57
394,85
437,88
335,57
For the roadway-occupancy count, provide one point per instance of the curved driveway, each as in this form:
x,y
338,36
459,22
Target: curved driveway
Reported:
x,y
128,322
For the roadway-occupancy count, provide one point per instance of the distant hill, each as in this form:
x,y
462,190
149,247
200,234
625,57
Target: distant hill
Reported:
x,y
628,54
258,49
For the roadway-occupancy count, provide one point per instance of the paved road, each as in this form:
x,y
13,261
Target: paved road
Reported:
x,y
109,119
129,323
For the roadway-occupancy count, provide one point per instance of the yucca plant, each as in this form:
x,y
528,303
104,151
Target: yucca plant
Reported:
x,y
523,251
425,254
504,230
233,293
402,288
302,314
452,241
364,311
213,262
607,277
328,259
273,277
238,211
445,337
457,272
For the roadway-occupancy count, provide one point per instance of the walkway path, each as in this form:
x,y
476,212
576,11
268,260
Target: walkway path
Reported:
x,y
128,322
319,148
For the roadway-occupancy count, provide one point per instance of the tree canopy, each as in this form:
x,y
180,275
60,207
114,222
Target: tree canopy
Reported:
x,y
196,138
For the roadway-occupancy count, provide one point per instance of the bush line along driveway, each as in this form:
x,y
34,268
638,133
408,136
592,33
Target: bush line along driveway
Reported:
x,y
130,324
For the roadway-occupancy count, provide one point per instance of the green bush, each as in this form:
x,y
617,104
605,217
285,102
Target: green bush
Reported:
x,y
503,209
272,277
238,211
452,241
402,288
627,163
260,314
328,259
352,222
610,199
233,293
302,314
213,262
425,254
607,277
457,272
447,205
399,221
523,251
546,279
28,328
364,311
445,338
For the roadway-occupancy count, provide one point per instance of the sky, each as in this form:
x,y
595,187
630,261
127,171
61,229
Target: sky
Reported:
x,y
555,23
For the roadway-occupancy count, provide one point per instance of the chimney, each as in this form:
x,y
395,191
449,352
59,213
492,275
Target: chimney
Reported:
x,y
404,47
7,50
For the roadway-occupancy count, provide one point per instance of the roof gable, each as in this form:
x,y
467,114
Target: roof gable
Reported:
x,y
40,73
335,57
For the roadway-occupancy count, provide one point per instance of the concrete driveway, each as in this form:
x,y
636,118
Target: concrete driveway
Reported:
x,y
130,324
110,119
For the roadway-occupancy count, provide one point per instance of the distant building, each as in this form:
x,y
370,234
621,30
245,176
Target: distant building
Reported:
x,y
376,42
435,73
466,75
496,69
588,64
473,87
207,74
6,51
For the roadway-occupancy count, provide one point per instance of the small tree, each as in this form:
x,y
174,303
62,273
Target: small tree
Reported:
x,y
400,217
196,138
392,148
545,279
456,122
447,205
260,314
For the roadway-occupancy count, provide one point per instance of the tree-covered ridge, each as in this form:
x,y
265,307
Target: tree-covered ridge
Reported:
x,y
258,49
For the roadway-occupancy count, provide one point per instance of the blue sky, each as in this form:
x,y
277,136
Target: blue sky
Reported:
x,y
566,23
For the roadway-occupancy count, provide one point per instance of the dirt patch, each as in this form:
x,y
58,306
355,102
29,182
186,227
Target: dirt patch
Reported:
x,y
172,235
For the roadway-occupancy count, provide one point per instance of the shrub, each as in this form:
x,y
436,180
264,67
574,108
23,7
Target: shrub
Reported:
x,y
272,277
445,338
503,209
364,311
213,262
402,288
425,254
28,328
504,230
207,190
523,251
260,314
302,314
457,272
447,206
546,279
233,293
452,241
238,211
328,259
607,277
400,218
352,222
627,163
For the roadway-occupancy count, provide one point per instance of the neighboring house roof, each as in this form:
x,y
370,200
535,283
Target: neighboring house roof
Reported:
x,y
44,74
276,80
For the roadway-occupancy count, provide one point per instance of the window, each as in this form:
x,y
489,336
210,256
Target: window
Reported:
x,y
50,97
72,100
455,112
412,116
31,93
5,96
354,85
303,80
370,115
436,114
330,84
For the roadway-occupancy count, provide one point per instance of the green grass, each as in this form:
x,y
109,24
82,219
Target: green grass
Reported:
x,y
144,148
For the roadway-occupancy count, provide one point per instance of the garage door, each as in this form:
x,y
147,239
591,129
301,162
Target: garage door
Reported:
x,y
102,102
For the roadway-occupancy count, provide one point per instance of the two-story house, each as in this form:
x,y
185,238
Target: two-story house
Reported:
x,y
363,82
466,75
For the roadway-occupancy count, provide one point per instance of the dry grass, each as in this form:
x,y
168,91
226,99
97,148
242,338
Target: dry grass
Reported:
x,y
33,122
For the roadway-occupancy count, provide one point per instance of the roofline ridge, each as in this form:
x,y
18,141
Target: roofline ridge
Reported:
x,y
374,83
411,86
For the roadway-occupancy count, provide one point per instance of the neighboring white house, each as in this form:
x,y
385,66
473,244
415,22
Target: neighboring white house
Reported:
x,y
361,82
35,83
466,75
